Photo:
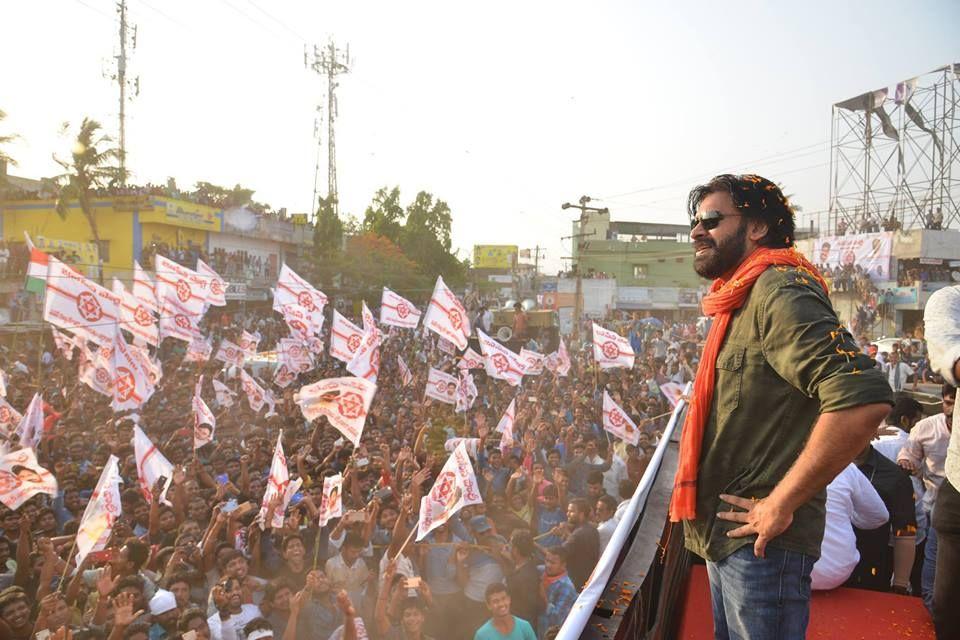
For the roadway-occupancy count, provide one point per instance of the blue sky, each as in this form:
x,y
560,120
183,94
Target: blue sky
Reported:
x,y
503,109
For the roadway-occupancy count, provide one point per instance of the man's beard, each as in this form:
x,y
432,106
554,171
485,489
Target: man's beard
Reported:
x,y
720,258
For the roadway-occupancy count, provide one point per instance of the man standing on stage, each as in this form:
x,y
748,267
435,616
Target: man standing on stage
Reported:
x,y
783,400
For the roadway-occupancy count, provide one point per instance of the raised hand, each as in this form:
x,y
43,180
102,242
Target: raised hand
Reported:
x,y
123,613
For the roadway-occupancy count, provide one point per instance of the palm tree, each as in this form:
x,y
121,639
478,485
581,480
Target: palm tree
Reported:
x,y
90,166
4,157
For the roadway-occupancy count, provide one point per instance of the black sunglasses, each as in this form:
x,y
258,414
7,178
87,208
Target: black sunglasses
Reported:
x,y
710,219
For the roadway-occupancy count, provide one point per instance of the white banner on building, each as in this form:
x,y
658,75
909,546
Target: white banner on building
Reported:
x,y
869,251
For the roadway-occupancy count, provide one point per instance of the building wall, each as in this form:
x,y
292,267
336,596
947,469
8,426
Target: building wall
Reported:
x,y
655,263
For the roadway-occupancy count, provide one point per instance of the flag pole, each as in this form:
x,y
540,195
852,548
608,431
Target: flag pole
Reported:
x,y
66,569
413,530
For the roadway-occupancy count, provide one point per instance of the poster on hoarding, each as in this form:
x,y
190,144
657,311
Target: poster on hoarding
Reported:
x,y
870,251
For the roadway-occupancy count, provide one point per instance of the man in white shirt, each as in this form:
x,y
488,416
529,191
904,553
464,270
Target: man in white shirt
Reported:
x,y
231,616
941,319
851,502
486,318
606,509
897,372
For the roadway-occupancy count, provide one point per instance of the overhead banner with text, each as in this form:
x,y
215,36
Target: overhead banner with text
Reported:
x,y
869,251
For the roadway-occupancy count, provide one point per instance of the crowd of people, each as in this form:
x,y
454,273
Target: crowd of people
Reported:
x,y
202,564
237,264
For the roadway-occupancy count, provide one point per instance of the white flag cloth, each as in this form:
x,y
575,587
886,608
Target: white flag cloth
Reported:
x,y
441,386
198,350
22,477
445,346
455,487
369,323
186,286
151,465
96,370
80,305
332,506
466,392
344,401
135,316
397,311
3,383
292,289
295,355
472,445
532,361
505,427
256,396
131,380
65,343
224,394
216,287
144,288
366,360
9,418
563,360
315,345
152,366
229,353
249,343
177,321
284,375
277,483
500,362
470,360
101,512
406,377
30,428
301,322
345,338
204,422
610,349
446,316
617,422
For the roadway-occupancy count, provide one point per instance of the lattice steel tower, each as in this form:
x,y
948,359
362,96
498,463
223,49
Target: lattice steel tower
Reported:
x,y
331,62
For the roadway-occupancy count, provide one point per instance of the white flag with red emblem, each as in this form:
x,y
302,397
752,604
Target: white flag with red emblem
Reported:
x,y
96,370
446,316
505,427
366,361
295,354
30,428
151,466
466,392
256,396
397,311
224,395
9,418
470,360
79,304
292,289
198,350
135,317
617,422
22,477
144,289
500,362
284,376
441,386
186,286
345,338
249,343
101,512
406,377
332,506
204,422
302,323
345,403
65,343
673,392
177,321
229,353
447,347
563,360
532,361
277,483
216,286
131,380
472,445
610,349
455,488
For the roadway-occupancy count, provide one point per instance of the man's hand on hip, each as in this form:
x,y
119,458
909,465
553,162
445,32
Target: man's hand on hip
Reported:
x,y
762,517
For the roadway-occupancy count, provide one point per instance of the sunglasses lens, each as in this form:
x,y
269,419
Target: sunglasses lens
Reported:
x,y
710,220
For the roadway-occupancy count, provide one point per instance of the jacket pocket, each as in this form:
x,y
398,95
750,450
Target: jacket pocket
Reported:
x,y
729,380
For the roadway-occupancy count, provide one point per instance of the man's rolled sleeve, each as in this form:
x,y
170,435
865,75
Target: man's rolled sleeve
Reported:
x,y
912,450
805,344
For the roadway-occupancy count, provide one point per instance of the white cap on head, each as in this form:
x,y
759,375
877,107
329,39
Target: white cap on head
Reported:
x,y
162,602
260,634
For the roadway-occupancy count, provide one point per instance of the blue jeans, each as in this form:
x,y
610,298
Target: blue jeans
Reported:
x,y
761,598
929,571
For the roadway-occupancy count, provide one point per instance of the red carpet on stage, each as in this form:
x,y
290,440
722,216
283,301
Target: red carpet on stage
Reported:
x,y
848,614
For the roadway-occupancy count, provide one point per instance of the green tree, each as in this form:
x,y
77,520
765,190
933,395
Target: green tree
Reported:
x,y
238,196
4,156
327,243
426,238
385,214
371,262
91,166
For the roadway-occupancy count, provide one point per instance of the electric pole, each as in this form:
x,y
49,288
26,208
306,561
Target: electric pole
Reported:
x,y
579,244
128,37
331,62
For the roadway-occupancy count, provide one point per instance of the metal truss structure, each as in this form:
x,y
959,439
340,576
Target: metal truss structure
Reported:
x,y
895,155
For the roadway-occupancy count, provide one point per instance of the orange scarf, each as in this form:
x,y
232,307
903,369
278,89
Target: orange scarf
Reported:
x,y
725,297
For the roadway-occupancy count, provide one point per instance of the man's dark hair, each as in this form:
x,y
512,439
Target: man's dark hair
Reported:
x,y
522,542
290,538
412,603
274,587
558,551
194,612
138,552
948,390
174,578
127,582
257,624
903,407
755,198
353,539
595,477
224,560
496,587
581,505
608,501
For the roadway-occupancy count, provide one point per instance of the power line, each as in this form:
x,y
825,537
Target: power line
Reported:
x,y
95,10
278,21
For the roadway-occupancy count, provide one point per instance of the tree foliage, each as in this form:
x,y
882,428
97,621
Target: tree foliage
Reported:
x,y
372,261
327,243
5,140
238,196
385,215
